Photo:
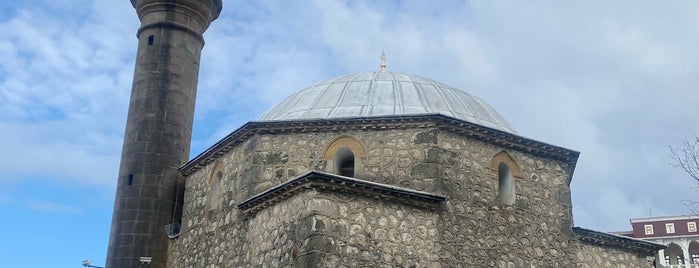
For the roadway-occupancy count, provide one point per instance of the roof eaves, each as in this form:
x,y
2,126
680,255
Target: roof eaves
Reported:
x,y
619,241
495,136
332,182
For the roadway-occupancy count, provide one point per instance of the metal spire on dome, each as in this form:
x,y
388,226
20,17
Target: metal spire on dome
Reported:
x,y
383,62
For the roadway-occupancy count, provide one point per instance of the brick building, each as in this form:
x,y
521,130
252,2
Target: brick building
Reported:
x,y
678,233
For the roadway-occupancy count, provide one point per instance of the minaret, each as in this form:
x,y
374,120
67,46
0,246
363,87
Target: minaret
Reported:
x,y
158,127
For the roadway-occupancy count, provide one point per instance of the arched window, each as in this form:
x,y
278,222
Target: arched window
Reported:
x,y
345,156
507,171
215,193
506,185
673,254
694,252
344,162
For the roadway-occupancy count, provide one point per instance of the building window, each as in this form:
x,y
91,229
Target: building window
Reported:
x,y
670,228
648,228
693,251
345,156
673,254
344,162
506,185
506,170
692,227
215,193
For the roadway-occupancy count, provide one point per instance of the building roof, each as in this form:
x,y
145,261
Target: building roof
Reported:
x,y
375,94
326,181
665,227
461,127
617,241
665,218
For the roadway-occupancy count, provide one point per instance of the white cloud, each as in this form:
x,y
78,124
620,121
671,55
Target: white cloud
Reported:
x,y
60,79
614,81
600,78
51,207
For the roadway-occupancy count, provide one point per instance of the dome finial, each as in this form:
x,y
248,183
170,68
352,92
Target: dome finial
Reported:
x,y
383,62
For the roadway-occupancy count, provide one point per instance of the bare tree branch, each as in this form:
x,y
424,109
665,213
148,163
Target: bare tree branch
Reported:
x,y
691,205
686,157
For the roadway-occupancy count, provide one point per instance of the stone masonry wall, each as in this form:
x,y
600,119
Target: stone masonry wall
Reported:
x,y
472,228
317,229
255,165
597,256
477,231
270,239
358,231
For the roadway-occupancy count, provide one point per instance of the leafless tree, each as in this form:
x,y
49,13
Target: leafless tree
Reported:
x,y
686,157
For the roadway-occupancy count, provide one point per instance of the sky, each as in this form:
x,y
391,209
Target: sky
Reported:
x,y
614,80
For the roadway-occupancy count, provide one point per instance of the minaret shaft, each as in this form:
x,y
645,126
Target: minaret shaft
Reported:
x,y
158,128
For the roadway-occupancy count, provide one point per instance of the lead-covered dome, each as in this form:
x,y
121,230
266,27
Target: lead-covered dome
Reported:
x,y
372,94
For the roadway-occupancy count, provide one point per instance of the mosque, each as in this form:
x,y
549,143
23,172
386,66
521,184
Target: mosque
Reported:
x,y
372,169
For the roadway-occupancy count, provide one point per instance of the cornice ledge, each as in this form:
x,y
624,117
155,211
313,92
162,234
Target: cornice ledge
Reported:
x,y
486,134
335,183
617,241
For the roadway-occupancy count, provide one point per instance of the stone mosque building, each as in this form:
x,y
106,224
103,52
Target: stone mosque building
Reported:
x,y
372,169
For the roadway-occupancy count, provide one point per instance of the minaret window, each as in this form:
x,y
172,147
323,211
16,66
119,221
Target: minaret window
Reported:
x,y
506,185
344,162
